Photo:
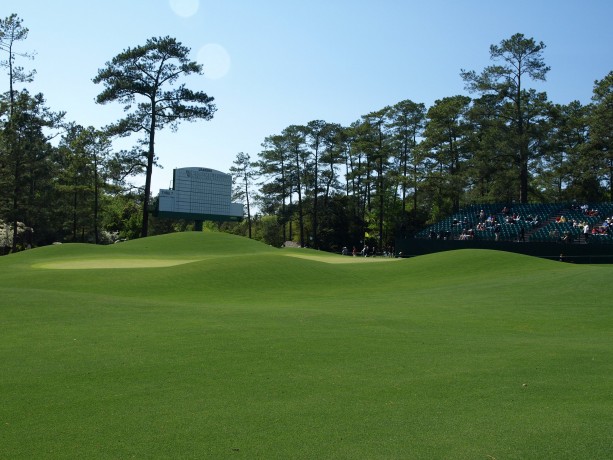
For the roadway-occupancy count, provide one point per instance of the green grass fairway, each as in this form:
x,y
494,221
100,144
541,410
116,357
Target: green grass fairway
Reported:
x,y
207,345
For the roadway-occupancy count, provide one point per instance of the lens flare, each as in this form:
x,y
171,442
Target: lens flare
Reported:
x,y
184,8
215,61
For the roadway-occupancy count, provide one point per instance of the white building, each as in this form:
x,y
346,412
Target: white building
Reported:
x,y
199,194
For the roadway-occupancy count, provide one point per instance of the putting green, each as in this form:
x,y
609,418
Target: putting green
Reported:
x,y
85,264
112,263
331,259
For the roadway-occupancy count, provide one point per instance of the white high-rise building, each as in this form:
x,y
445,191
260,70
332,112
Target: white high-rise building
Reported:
x,y
199,194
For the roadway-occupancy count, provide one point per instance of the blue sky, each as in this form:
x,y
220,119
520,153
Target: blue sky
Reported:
x,y
273,63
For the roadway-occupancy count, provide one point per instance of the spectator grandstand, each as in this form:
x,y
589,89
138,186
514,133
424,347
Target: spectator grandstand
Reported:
x,y
548,223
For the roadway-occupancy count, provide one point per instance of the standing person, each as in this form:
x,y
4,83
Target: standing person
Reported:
x,y
586,231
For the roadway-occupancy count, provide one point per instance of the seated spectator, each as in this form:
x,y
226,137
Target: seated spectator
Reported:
x,y
446,235
532,220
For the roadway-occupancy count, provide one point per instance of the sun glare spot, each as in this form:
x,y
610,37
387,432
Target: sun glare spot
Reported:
x,y
184,8
215,61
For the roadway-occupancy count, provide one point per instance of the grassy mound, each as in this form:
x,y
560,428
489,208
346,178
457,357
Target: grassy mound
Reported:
x,y
208,345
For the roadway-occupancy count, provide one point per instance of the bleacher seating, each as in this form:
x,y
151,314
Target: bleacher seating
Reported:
x,y
540,222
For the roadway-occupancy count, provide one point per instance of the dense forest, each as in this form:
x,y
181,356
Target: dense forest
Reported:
x,y
320,184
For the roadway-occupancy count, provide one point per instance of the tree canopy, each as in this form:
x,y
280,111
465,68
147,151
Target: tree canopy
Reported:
x,y
320,183
145,76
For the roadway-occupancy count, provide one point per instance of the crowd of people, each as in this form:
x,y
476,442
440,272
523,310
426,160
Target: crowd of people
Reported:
x,y
581,222
585,209
581,226
367,251
493,222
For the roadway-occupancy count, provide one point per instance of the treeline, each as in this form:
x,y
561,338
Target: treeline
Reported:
x,y
320,184
394,170
61,181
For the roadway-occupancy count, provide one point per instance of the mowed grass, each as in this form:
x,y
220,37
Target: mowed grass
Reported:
x,y
207,345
